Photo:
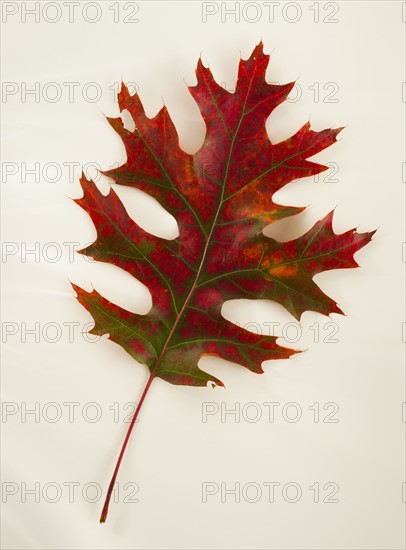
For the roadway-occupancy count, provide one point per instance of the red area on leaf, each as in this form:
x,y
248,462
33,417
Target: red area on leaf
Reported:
x,y
222,198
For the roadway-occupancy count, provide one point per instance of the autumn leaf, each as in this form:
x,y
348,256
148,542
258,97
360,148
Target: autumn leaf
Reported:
x,y
222,199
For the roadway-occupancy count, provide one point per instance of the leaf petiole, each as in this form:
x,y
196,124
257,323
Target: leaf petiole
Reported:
x,y
105,510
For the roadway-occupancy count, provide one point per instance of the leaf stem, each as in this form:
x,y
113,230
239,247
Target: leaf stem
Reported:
x,y
105,510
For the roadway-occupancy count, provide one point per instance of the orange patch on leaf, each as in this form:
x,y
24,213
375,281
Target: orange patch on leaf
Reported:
x,y
285,271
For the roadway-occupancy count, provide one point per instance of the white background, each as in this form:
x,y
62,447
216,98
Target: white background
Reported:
x,y
172,451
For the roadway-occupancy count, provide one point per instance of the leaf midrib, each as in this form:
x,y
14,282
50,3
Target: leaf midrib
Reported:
x,y
214,223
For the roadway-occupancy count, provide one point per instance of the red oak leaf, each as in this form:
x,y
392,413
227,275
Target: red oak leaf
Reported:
x,y
222,198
